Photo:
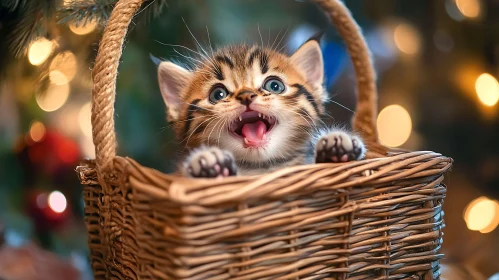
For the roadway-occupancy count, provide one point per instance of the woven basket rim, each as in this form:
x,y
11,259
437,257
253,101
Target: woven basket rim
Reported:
x,y
185,190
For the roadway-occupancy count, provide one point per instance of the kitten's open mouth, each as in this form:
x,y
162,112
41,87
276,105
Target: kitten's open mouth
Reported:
x,y
252,127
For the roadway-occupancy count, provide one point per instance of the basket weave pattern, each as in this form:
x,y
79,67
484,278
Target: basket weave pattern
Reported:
x,y
379,218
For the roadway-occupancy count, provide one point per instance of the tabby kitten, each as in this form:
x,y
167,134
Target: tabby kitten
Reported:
x,y
249,110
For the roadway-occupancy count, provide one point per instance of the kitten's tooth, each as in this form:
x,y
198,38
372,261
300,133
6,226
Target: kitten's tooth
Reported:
x,y
260,115
246,141
240,118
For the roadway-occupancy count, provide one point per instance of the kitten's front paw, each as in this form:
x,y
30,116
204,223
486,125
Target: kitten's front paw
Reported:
x,y
338,146
210,162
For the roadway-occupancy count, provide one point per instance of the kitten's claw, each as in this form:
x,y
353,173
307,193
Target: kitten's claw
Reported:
x,y
339,146
210,162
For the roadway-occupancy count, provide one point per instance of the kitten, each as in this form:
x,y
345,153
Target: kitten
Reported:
x,y
250,110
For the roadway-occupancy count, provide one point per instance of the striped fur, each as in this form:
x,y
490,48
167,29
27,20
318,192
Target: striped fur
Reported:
x,y
197,121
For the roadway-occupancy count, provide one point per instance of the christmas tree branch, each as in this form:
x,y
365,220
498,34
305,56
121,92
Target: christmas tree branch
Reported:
x,y
30,19
83,11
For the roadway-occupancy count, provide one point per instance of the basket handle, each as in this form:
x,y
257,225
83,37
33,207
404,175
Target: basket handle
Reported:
x,y
104,75
105,72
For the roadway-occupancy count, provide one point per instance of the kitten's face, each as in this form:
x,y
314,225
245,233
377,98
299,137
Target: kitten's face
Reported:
x,y
259,104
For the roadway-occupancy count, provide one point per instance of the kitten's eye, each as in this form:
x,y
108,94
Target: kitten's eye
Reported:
x,y
274,85
217,94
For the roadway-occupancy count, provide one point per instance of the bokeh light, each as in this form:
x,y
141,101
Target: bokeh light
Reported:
x,y
65,63
53,98
487,89
66,120
453,11
84,119
469,8
482,214
40,50
394,125
87,147
58,78
83,29
407,38
37,131
443,41
57,202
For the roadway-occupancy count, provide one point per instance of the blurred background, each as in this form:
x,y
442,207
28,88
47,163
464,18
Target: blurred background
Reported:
x,y
438,69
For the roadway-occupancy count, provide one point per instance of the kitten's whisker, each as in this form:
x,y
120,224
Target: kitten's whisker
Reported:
x,y
280,50
220,132
216,124
304,111
261,38
284,35
201,107
206,56
210,124
275,39
179,46
209,40
176,122
311,124
343,106
193,59
194,37
193,130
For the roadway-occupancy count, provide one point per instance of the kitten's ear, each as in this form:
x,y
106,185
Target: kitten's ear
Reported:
x,y
172,80
308,58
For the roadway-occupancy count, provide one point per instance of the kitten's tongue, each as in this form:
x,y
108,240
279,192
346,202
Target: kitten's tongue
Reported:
x,y
254,133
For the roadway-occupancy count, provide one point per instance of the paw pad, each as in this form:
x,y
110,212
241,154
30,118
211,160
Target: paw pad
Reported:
x,y
338,146
210,163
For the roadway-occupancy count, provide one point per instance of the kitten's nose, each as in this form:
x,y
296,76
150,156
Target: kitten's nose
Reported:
x,y
246,97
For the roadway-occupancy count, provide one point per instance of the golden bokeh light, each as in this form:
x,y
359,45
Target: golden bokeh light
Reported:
x,y
84,119
87,147
469,8
40,50
394,125
37,131
482,214
53,98
407,38
58,78
65,63
83,29
487,89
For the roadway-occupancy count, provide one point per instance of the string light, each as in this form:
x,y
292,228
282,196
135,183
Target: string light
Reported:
x,y
37,131
65,63
487,89
40,50
469,8
84,119
394,125
482,214
407,38
57,202
53,98
83,29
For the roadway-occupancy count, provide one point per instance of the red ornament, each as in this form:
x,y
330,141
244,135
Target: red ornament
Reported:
x,y
54,152
46,217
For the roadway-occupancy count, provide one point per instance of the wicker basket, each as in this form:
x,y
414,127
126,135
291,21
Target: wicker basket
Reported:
x,y
379,218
